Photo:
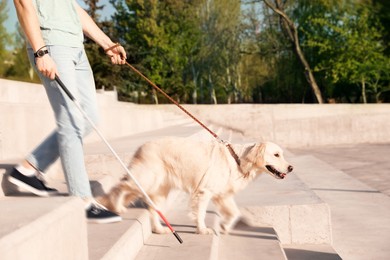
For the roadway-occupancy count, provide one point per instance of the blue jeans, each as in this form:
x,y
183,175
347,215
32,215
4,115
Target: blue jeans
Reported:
x,y
66,142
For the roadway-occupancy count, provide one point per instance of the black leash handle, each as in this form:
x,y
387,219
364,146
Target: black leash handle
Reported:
x,y
64,88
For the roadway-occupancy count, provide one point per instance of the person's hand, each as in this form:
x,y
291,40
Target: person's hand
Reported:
x,y
117,54
46,66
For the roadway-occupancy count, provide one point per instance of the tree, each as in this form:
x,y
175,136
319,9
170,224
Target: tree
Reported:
x,y
215,62
352,42
292,32
106,75
5,40
185,47
383,11
13,56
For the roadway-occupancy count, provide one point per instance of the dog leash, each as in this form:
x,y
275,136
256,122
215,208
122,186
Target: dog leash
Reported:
x,y
227,144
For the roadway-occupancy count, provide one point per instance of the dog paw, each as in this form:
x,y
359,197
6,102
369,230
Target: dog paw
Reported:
x,y
161,230
204,231
227,226
224,229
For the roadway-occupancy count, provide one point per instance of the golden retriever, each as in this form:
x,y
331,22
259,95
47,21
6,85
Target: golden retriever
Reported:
x,y
206,170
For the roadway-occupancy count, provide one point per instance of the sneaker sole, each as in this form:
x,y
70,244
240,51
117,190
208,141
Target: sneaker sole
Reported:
x,y
104,220
27,187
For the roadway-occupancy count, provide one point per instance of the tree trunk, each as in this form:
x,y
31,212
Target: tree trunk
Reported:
x,y
194,92
154,97
213,97
292,33
229,84
364,91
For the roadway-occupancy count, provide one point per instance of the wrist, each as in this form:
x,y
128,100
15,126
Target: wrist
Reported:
x,y
106,43
41,52
112,47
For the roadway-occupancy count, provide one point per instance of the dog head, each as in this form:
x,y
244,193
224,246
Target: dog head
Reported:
x,y
266,157
274,161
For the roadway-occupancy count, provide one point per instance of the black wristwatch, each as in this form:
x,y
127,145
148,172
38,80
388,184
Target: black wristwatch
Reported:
x,y
40,53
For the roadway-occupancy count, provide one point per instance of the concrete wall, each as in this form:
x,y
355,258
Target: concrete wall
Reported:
x,y
26,118
300,125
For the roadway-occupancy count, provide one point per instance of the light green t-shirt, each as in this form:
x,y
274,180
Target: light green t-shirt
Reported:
x,y
60,23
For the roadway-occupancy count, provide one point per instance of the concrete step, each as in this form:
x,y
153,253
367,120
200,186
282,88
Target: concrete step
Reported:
x,y
359,212
277,211
297,214
250,242
42,228
121,240
6,187
310,252
194,246
244,242
289,206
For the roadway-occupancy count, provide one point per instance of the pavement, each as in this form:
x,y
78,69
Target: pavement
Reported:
x,y
368,163
354,180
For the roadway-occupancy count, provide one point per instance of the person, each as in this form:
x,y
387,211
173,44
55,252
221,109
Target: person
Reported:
x,y
55,32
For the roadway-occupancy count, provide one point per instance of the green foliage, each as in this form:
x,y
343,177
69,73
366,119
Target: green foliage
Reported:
x,y
18,66
186,47
106,75
5,40
225,51
349,47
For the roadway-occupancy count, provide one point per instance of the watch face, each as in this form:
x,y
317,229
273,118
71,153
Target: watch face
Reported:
x,y
41,53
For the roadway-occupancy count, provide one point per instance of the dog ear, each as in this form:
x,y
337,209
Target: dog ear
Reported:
x,y
253,157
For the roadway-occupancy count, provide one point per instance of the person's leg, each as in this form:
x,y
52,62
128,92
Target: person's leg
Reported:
x,y
96,213
44,155
67,142
71,126
48,151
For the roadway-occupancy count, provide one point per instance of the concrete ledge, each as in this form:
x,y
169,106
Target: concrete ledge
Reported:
x,y
251,242
43,228
360,213
121,240
299,125
6,188
294,224
194,247
297,214
26,106
310,252
292,125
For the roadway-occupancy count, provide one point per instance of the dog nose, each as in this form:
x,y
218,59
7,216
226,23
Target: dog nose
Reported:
x,y
290,168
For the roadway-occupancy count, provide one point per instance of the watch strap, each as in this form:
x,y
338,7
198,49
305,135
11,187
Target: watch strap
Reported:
x,y
40,52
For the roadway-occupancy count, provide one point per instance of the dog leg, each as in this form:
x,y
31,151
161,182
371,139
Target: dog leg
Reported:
x,y
112,200
119,197
157,227
199,204
227,207
126,199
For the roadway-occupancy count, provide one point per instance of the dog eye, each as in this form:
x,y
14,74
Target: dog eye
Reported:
x,y
276,155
